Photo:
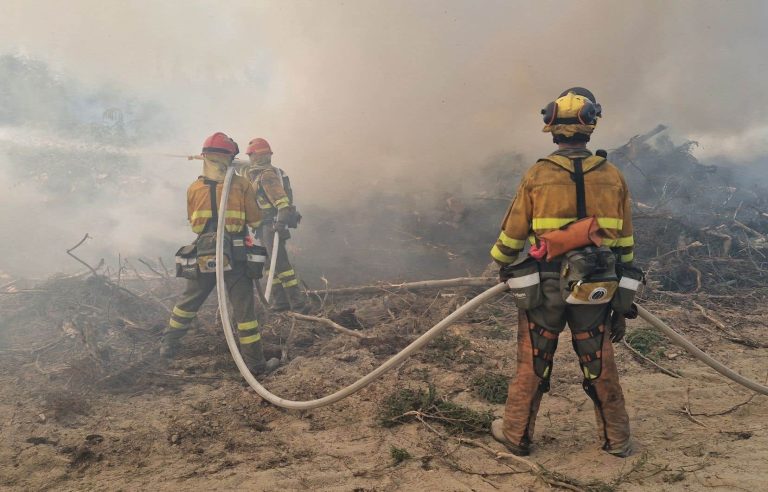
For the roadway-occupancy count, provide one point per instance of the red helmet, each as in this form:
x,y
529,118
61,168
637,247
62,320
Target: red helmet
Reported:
x,y
220,143
258,146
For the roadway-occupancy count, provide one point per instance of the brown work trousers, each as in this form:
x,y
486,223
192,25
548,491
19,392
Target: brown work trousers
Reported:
x,y
537,336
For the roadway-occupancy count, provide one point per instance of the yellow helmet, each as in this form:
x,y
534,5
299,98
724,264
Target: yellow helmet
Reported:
x,y
574,112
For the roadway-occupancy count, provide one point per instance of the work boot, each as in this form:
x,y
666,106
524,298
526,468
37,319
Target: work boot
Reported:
x,y
253,355
623,451
297,299
171,343
497,431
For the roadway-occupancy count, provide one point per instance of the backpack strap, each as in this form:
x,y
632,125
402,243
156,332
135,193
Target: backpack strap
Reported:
x,y
577,167
578,177
212,223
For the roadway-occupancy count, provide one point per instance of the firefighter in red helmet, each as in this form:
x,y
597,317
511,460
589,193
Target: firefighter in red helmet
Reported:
x,y
274,197
196,262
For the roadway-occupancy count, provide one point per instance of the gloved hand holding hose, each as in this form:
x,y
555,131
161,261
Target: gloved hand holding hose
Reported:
x,y
619,322
281,223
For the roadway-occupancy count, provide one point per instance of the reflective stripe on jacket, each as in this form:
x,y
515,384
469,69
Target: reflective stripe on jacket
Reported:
x,y
546,200
241,206
269,189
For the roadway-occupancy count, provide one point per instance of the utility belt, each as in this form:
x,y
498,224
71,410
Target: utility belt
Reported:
x,y
588,276
199,258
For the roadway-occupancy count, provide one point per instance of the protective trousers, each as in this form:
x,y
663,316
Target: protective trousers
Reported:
x,y
287,293
537,337
240,291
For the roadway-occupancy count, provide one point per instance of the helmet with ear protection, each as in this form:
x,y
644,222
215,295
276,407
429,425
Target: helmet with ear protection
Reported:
x,y
574,106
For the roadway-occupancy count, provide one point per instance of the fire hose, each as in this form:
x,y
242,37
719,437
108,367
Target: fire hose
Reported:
x,y
417,344
272,266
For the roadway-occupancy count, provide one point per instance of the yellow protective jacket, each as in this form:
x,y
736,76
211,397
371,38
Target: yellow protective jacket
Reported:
x,y
546,200
270,194
241,205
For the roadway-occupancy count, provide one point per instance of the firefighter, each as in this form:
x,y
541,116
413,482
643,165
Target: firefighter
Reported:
x,y
274,197
547,200
203,200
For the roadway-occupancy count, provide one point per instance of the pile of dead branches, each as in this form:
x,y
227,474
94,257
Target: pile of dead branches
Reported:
x,y
697,227
79,332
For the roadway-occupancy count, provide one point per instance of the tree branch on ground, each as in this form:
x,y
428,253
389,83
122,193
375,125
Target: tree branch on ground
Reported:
x,y
327,322
410,286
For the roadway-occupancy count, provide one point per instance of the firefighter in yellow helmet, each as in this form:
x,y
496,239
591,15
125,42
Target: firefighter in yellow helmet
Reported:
x,y
275,200
196,262
557,191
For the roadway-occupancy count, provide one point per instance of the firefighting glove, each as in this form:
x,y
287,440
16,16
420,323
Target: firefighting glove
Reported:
x,y
284,216
632,313
282,230
619,322
505,273
618,326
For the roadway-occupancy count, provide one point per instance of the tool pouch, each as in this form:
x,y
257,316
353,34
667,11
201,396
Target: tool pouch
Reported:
x,y
525,283
256,257
630,280
239,253
578,234
186,262
206,252
588,276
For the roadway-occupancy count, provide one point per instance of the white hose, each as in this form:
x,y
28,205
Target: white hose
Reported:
x,y
272,265
696,352
357,385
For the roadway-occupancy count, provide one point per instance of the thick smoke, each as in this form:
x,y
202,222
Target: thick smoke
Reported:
x,y
366,98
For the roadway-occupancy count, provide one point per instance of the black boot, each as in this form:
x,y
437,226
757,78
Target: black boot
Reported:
x,y
297,299
280,302
253,355
171,343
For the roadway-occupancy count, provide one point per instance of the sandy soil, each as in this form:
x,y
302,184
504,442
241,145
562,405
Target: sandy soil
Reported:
x,y
130,422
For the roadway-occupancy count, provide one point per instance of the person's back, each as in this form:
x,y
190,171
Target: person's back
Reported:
x,y
562,195
203,201
275,200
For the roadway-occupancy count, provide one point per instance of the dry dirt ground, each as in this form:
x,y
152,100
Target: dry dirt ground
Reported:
x,y
86,404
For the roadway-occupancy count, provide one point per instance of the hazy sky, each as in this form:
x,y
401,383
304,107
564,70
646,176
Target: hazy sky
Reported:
x,y
371,84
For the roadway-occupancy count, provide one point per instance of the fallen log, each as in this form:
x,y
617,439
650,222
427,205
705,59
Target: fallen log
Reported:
x,y
411,286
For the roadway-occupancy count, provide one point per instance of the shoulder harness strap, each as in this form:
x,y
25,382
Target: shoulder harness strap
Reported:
x,y
578,177
210,226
